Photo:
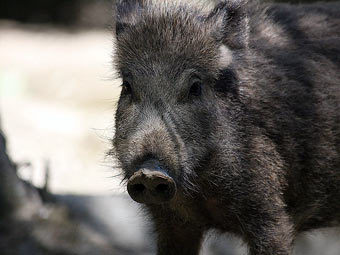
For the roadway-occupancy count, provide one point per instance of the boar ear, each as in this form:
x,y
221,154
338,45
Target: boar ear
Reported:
x,y
230,20
225,57
127,13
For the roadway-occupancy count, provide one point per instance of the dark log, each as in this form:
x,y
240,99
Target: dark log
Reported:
x,y
16,197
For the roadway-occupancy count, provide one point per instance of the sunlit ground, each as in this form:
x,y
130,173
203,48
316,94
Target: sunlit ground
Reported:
x,y
58,94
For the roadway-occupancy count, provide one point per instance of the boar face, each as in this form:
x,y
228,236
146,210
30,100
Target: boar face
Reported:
x,y
176,73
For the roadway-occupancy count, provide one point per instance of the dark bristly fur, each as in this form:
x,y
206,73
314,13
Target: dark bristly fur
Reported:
x,y
240,103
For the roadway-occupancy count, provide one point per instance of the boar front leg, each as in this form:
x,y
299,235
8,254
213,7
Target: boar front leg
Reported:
x,y
269,233
175,236
176,240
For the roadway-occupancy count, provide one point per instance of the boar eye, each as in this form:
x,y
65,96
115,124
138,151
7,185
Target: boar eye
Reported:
x,y
196,88
126,88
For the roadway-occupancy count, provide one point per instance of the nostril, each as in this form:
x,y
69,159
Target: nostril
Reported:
x,y
151,187
138,188
162,188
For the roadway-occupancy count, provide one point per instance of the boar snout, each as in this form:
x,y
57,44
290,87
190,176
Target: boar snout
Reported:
x,y
151,184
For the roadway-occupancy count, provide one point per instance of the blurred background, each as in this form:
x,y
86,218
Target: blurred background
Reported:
x,y
58,94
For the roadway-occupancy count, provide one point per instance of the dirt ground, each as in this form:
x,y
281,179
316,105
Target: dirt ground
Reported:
x,y
57,101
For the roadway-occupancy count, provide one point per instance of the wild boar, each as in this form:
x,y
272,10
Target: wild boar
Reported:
x,y
229,119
